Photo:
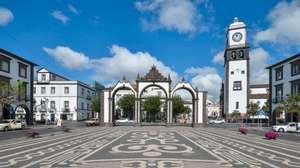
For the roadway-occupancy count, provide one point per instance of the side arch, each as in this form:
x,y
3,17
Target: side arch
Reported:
x,y
186,86
122,86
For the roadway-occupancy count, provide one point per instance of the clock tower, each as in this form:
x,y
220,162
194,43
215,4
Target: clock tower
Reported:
x,y
236,64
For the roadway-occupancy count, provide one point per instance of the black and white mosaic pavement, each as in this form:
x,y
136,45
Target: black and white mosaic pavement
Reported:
x,y
149,147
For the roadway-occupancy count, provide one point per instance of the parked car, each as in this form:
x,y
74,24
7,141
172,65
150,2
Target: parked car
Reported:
x,y
126,120
7,125
217,121
92,122
290,127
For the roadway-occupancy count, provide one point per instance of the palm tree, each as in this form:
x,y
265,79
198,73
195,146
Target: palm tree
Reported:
x,y
291,105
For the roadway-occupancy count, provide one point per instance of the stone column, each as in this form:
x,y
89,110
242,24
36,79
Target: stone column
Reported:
x,y
168,111
137,111
111,113
196,111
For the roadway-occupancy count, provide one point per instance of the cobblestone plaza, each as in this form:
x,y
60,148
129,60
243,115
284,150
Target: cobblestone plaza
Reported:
x,y
153,147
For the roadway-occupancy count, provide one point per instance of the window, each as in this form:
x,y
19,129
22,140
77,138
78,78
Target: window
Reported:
x,y
66,90
237,105
278,92
233,55
52,90
82,105
52,104
295,68
243,72
43,77
34,90
295,87
237,85
88,106
66,104
279,73
232,72
22,70
4,64
43,90
4,83
241,54
82,91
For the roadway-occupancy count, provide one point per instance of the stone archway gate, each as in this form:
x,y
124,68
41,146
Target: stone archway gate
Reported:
x,y
153,78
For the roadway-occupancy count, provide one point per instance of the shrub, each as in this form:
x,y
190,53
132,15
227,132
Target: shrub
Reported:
x,y
243,130
271,135
32,133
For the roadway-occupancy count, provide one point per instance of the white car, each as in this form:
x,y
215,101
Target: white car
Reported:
x,y
126,120
217,121
290,127
7,125
92,122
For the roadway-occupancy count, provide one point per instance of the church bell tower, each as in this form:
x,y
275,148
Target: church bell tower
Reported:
x,y
236,64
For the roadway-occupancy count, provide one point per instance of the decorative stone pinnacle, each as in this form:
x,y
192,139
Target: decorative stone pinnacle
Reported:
x,y
236,19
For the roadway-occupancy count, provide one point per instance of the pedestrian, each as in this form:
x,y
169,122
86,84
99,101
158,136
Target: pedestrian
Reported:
x,y
59,122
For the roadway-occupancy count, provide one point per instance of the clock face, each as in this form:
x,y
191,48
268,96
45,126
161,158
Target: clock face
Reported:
x,y
237,37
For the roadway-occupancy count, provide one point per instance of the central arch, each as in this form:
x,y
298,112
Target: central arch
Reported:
x,y
162,115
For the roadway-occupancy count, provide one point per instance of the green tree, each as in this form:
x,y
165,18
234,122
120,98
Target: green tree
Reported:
x,y
252,109
291,105
235,115
152,105
96,106
127,103
11,94
178,106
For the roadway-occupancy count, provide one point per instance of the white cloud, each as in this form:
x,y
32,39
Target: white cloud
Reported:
x,y
219,58
124,62
207,79
68,58
173,15
110,69
73,9
284,24
6,16
258,62
60,16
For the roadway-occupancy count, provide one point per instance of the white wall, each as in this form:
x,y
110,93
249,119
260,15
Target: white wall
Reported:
x,y
237,95
74,97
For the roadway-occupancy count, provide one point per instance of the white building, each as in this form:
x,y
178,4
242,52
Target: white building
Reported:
x,y
14,69
57,97
213,109
259,93
236,80
284,78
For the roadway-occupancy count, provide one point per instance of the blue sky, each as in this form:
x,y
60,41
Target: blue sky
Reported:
x,y
104,40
